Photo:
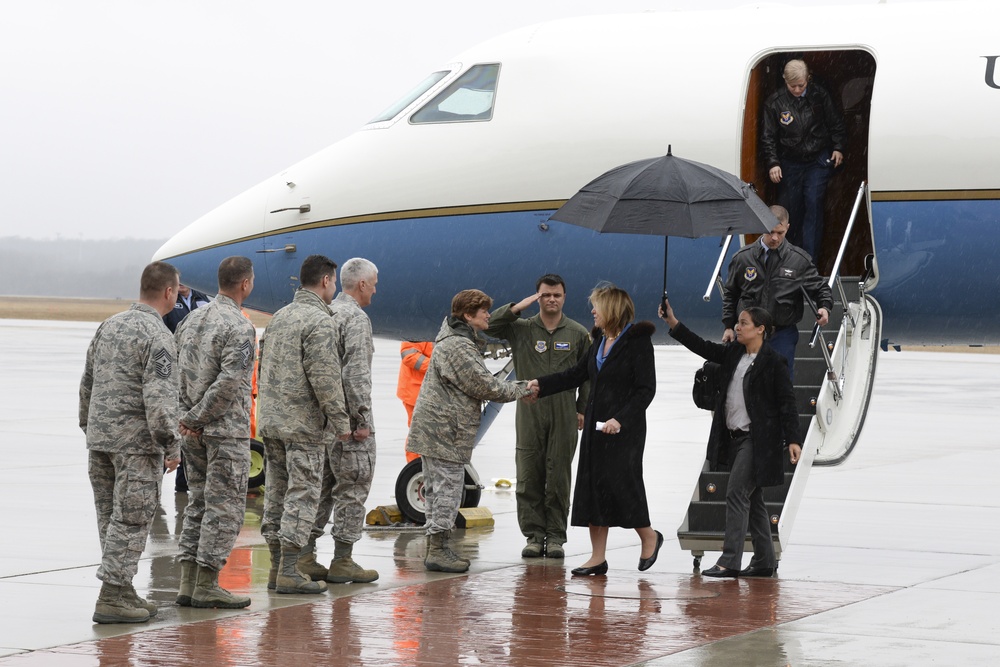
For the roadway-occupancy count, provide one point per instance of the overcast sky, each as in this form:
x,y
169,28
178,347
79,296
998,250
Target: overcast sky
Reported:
x,y
132,118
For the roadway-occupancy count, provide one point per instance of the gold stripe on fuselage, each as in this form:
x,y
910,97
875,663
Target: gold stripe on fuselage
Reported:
x,y
552,204
935,195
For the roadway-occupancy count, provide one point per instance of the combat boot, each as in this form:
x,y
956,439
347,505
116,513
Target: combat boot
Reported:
x,y
290,580
113,606
440,558
189,572
137,601
343,569
454,554
209,595
308,565
272,574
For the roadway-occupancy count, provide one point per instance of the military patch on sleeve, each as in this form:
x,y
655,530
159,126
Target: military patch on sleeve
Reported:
x,y
750,273
164,363
541,346
246,350
562,347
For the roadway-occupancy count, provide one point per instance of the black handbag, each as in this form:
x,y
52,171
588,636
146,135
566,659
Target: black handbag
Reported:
x,y
707,385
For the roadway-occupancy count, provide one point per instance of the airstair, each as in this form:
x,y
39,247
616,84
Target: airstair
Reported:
x,y
834,376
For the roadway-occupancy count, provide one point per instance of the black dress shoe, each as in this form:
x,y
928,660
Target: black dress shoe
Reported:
x,y
757,572
646,563
587,571
718,571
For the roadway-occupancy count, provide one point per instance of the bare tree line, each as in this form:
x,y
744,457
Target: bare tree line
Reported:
x,y
106,269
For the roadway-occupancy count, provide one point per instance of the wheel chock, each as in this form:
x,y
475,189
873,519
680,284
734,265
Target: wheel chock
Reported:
x,y
474,517
384,515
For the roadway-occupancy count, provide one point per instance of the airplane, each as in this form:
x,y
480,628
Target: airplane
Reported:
x,y
454,186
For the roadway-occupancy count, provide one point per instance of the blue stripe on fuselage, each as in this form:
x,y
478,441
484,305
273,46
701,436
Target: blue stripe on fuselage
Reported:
x,y
937,281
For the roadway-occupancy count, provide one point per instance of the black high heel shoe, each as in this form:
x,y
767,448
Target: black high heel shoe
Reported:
x,y
646,563
593,570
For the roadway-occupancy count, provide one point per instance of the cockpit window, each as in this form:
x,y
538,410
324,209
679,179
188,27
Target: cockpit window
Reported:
x,y
469,98
408,99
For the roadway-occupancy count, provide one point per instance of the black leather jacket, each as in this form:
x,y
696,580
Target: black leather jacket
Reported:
x,y
800,128
779,293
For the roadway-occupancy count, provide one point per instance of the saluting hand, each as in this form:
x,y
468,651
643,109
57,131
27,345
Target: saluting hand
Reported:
x,y
525,302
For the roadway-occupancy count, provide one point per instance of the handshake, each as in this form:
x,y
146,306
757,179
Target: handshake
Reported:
x,y
533,396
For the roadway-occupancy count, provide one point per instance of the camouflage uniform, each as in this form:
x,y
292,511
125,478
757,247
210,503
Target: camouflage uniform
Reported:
x,y
128,409
216,350
546,430
300,411
446,417
351,464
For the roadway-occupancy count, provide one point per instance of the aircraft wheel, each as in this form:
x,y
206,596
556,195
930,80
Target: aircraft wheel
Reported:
x,y
257,465
410,496
410,491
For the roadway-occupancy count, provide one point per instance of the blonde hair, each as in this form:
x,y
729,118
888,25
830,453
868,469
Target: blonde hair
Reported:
x,y
796,70
615,306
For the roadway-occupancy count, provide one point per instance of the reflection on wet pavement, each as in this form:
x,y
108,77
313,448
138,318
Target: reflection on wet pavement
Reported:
x,y
892,561
519,616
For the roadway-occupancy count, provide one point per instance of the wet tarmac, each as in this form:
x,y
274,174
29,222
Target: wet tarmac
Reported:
x,y
895,558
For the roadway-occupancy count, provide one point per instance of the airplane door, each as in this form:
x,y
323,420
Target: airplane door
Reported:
x,y
288,209
848,74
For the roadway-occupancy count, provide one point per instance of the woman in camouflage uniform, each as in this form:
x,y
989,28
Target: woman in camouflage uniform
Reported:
x,y
446,418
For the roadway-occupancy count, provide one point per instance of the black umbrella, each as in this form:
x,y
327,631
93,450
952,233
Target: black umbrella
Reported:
x,y
668,196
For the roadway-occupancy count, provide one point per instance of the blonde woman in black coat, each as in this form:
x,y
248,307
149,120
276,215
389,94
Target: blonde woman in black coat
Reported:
x,y
609,486
753,419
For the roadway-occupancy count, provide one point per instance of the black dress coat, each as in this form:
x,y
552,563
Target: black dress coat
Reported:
x,y
609,486
774,419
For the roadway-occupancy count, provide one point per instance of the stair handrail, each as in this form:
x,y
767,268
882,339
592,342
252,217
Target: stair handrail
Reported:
x,y
835,272
715,279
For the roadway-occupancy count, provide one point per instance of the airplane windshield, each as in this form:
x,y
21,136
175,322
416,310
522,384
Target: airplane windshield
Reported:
x,y
407,99
469,98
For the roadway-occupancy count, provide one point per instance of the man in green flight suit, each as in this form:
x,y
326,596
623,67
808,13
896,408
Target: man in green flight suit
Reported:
x,y
548,342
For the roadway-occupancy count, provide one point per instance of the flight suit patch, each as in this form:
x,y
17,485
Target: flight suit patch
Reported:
x,y
788,273
750,273
541,346
562,347
786,118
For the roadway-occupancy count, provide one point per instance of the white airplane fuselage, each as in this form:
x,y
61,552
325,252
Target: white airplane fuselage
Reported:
x,y
444,206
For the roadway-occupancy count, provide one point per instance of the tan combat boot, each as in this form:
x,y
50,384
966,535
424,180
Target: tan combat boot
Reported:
x,y
440,558
209,595
290,580
189,572
272,574
343,569
113,606
308,565
447,545
133,597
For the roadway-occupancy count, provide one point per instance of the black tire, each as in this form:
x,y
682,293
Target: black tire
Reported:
x,y
258,465
410,492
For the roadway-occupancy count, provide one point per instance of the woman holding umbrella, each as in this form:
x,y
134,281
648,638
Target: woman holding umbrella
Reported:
x,y
609,485
754,416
